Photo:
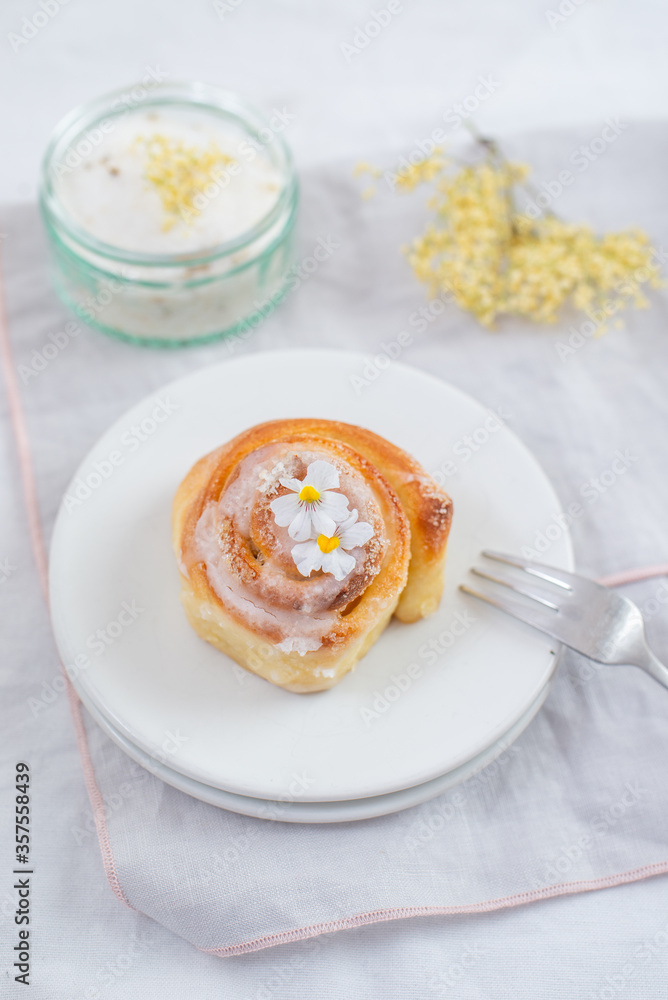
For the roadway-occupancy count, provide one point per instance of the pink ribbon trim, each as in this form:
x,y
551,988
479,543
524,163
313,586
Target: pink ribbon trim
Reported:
x,y
634,575
41,560
403,912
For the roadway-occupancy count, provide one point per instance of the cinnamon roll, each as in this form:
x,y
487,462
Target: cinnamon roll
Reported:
x,y
299,539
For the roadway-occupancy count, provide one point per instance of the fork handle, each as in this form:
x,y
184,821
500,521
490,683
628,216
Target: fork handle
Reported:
x,y
654,667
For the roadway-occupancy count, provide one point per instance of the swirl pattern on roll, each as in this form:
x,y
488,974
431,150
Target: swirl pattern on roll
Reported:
x,y
242,590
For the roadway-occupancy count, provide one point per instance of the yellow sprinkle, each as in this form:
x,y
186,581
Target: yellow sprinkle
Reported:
x,y
181,173
365,168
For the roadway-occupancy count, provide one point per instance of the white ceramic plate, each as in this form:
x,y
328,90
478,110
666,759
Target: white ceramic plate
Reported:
x,y
295,811
116,611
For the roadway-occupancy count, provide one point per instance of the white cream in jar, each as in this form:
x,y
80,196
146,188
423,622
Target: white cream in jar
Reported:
x,y
170,222
111,195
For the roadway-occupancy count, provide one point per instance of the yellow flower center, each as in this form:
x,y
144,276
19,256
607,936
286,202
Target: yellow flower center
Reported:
x,y
309,494
326,544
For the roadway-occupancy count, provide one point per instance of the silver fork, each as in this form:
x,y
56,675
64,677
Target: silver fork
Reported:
x,y
592,620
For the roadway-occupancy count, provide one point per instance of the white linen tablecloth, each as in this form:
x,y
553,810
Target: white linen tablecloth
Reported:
x,y
583,795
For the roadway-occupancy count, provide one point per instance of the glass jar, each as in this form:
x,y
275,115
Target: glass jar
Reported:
x,y
214,267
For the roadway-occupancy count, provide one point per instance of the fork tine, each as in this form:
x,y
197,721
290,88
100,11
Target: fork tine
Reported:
x,y
550,573
513,586
542,619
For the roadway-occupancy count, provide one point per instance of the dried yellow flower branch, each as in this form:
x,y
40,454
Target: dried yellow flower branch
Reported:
x,y
493,261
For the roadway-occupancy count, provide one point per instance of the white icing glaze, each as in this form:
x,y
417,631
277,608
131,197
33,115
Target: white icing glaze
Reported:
x,y
298,644
278,600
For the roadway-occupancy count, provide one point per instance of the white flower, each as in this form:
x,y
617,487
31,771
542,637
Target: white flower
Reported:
x,y
315,508
328,553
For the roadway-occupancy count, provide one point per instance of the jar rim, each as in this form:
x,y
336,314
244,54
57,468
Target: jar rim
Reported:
x,y
177,93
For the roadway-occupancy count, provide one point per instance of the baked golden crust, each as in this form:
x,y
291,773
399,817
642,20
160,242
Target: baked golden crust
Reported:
x,y
243,593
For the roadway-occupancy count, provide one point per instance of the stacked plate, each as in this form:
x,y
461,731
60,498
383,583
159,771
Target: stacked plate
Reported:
x,y
429,705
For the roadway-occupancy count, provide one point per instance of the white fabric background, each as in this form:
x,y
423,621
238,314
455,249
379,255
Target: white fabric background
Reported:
x,y
573,415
